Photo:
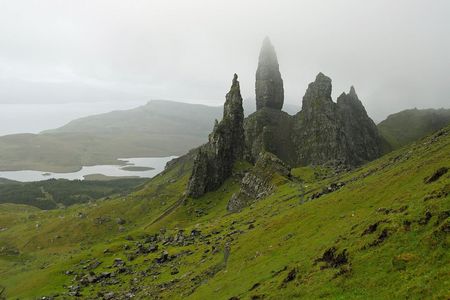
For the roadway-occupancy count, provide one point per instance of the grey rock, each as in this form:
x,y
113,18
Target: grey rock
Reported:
x,y
256,183
269,84
339,133
214,161
269,130
109,296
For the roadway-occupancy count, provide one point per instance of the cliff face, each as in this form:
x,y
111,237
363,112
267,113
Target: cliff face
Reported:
x,y
269,128
362,139
335,133
214,161
317,135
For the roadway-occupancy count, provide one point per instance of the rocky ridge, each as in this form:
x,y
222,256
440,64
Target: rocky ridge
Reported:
x,y
324,132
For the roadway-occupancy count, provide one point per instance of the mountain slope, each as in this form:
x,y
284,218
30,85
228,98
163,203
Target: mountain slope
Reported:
x,y
381,231
409,125
156,117
159,128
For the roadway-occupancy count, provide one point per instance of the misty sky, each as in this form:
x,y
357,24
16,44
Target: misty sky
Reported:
x,y
395,53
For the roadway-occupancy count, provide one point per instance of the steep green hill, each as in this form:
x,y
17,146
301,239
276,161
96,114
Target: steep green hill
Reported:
x,y
410,125
378,232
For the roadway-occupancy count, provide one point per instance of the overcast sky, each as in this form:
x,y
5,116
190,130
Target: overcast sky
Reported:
x,y
395,53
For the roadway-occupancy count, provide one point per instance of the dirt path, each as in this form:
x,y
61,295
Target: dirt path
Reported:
x,y
168,211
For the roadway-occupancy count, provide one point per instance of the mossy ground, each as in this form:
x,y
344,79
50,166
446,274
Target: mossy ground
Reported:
x,y
274,245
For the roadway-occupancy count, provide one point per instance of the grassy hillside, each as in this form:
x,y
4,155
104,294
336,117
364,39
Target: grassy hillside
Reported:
x,y
410,125
384,234
53,193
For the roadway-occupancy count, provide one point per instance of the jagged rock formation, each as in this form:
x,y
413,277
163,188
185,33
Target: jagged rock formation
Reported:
x,y
214,161
335,133
269,130
316,129
362,139
323,132
257,183
269,85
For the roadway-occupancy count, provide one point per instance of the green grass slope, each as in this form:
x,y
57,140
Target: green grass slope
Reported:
x,y
378,232
410,125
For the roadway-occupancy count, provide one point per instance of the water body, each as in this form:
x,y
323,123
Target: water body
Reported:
x,y
157,163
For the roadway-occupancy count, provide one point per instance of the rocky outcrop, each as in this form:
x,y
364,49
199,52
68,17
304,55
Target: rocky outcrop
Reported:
x,y
338,133
334,133
269,130
214,161
257,183
317,133
269,84
362,139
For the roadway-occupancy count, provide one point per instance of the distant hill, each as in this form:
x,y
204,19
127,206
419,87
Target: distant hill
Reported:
x,y
410,125
156,117
159,128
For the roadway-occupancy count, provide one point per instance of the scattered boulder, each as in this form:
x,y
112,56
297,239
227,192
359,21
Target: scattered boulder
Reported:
x,y
118,262
163,258
120,221
109,296
329,189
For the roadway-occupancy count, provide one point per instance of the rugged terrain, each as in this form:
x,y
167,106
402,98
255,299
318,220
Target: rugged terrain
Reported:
x,y
233,219
380,231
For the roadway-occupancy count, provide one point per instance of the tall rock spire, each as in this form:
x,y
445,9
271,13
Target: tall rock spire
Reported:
x,y
269,84
214,160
